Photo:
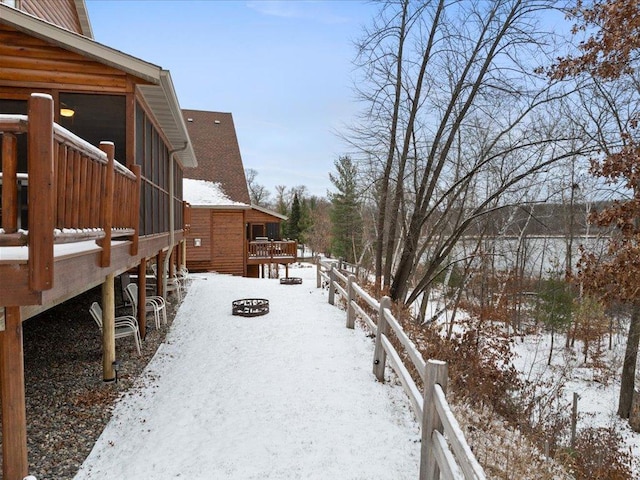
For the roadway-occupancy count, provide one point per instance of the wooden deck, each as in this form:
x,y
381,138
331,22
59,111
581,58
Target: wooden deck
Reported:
x,y
260,252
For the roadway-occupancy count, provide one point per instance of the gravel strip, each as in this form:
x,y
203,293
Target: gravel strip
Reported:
x,y
68,404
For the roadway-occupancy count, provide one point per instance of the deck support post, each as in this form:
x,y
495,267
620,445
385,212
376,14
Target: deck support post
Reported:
x,y
14,418
108,329
160,274
184,253
142,297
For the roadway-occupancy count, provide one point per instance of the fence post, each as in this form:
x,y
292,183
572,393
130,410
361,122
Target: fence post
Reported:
x,y
318,271
379,353
574,419
351,297
436,373
332,288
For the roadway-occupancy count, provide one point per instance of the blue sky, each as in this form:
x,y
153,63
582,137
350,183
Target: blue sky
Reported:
x,y
282,68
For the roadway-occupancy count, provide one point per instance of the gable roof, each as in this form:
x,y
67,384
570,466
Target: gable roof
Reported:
x,y
159,94
216,147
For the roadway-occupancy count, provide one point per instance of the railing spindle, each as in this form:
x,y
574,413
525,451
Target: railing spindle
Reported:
x,y
9,183
61,183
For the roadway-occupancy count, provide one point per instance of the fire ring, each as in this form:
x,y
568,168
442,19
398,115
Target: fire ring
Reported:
x,y
250,307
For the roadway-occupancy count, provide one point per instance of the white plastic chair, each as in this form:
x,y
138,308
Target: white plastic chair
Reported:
x,y
183,276
173,283
126,325
153,303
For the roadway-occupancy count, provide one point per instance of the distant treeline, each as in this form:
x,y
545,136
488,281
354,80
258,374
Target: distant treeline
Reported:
x,y
544,219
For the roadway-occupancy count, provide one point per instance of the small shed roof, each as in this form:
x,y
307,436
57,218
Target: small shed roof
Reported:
x,y
216,147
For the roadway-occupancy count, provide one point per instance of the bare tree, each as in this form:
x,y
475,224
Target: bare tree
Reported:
x,y
258,194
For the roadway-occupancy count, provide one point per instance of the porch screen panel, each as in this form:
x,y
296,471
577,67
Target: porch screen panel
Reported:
x,y
153,154
97,118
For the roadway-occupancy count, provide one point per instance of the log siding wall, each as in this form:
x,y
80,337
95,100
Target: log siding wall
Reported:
x,y
29,62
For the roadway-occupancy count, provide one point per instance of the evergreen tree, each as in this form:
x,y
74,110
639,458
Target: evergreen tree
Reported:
x,y
294,219
346,221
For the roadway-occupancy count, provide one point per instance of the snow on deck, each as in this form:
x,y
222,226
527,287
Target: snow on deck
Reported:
x,y
289,395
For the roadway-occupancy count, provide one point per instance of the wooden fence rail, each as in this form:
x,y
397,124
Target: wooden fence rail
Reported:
x,y
444,450
75,191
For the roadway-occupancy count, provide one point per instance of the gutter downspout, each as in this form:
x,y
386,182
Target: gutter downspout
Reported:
x,y
172,220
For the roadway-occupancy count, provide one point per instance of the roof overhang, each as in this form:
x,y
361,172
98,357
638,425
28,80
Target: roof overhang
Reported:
x,y
160,95
83,16
163,101
269,212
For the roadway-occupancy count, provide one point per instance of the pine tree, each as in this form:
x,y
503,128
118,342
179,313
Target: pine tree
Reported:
x,y
345,216
294,219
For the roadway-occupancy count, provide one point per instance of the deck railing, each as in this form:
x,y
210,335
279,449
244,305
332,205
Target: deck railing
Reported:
x,y
76,191
272,250
444,450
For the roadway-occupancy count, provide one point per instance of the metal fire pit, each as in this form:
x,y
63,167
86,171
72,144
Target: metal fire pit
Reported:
x,y
250,307
290,281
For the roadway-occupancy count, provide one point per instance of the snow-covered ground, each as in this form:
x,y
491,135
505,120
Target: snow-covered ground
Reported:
x,y
289,395
597,390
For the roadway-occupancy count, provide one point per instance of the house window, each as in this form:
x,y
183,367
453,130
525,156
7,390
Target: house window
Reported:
x,y
273,231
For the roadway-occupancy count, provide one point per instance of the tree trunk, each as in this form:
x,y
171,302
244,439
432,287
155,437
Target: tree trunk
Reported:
x,y
629,366
551,349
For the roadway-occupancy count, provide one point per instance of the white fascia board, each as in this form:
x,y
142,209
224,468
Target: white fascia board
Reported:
x,y
83,16
187,156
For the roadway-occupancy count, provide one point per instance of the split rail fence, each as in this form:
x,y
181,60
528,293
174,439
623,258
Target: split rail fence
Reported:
x,y
444,451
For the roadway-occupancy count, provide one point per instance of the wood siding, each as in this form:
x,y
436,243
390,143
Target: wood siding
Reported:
x,y
227,238
59,12
256,216
221,233
29,62
199,258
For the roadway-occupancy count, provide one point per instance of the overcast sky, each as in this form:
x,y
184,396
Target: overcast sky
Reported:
x,y
282,68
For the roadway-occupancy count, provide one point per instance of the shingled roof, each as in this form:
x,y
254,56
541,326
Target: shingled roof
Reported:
x,y
214,140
